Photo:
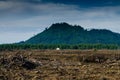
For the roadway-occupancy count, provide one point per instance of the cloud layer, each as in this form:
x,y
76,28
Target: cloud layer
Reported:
x,y
22,19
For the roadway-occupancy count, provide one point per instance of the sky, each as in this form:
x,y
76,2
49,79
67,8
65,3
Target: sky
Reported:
x,y
22,19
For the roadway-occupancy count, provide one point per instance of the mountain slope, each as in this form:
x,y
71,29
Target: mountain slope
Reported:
x,y
63,33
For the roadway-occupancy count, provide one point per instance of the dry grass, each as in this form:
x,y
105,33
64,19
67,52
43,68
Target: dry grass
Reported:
x,y
61,65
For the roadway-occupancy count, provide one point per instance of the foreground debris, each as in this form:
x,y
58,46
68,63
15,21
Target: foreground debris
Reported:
x,y
59,65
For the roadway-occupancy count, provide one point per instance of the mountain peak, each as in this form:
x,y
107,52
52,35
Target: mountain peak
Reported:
x,y
60,25
65,26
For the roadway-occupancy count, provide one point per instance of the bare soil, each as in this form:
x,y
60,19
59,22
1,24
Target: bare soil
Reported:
x,y
60,65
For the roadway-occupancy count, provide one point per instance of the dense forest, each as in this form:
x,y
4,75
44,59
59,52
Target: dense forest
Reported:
x,y
4,47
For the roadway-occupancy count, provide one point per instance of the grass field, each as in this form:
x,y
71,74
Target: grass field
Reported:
x,y
60,65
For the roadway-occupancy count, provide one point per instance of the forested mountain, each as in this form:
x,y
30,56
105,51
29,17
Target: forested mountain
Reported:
x,y
63,33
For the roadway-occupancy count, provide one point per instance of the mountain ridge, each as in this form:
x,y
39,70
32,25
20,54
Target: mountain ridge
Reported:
x,y
64,33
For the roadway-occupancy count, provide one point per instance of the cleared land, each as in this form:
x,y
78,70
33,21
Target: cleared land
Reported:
x,y
60,65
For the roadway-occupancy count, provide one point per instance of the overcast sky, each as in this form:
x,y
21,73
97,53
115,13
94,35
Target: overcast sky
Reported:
x,y
21,19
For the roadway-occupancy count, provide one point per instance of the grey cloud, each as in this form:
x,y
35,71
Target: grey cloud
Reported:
x,y
33,1
22,20
26,9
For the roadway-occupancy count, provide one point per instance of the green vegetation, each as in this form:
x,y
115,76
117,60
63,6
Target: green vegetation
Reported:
x,y
54,46
66,36
63,33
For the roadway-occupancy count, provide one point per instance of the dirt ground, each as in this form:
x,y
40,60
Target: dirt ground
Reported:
x,y
60,65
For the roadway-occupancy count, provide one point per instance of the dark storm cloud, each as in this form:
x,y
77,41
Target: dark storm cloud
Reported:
x,y
87,3
82,3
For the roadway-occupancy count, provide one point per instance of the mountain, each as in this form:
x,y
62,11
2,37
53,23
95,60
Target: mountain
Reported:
x,y
63,33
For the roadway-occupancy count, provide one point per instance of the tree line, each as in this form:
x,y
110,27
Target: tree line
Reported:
x,y
54,46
